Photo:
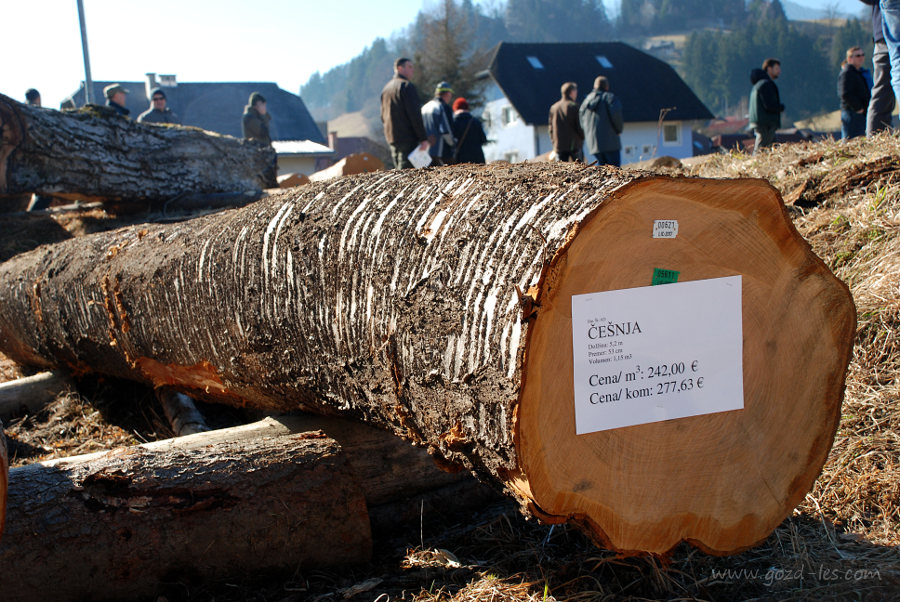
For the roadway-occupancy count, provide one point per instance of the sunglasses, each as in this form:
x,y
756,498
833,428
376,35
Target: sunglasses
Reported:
x,y
858,55
158,98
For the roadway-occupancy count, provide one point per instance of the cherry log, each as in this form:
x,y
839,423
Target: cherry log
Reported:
x,y
95,154
438,304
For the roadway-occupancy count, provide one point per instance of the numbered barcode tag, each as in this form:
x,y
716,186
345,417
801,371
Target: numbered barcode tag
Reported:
x,y
665,228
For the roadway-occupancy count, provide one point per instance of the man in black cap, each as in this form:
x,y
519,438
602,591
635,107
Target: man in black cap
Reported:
x,y
158,111
438,117
115,98
255,121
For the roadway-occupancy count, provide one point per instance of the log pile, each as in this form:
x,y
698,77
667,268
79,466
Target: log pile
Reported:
x,y
95,155
289,492
436,304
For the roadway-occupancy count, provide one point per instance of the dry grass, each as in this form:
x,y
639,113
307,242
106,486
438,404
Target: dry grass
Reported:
x,y
840,544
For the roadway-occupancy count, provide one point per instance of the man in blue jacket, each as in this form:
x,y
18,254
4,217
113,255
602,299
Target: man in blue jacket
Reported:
x,y
765,103
601,119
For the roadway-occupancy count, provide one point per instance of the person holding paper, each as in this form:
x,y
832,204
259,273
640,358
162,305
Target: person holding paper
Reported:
x,y
404,129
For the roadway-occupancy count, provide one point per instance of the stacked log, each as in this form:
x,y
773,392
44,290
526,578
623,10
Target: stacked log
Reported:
x,y
93,154
287,493
437,304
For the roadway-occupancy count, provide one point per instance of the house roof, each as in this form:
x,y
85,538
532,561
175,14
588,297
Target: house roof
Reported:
x,y
218,106
530,76
301,147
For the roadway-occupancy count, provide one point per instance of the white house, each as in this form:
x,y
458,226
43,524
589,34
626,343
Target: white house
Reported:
x,y
525,79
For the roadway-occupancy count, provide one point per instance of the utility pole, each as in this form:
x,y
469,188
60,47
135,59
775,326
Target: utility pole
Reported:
x,y
88,82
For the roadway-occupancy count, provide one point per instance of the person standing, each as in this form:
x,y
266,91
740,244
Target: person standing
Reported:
x,y
255,120
33,97
565,128
853,90
765,103
158,111
881,103
115,99
401,115
437,118
601,119
469,134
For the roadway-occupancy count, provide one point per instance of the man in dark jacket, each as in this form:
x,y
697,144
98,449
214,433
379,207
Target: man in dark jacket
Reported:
x,y
468,133
400,113
601,118
255,120
158,111
853,90
765,103
115,99
565,129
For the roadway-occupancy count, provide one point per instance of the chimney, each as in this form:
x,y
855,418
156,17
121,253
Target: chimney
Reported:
x,y
333,140
167,81
150,83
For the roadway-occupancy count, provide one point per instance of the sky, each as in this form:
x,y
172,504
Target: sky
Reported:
x,y
282,41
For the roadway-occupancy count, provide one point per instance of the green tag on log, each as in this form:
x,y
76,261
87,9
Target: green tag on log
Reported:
x,y
661,276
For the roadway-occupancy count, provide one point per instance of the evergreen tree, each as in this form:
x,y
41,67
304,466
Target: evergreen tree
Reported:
x,y
446,50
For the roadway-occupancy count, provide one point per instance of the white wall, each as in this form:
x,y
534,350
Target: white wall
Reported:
x,y
304,164
639,141
509,138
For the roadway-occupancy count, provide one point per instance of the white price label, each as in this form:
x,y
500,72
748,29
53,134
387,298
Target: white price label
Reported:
x,y
657,353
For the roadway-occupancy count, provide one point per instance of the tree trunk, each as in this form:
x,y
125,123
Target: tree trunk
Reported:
x,y
31,393
93,154
118,524
437,304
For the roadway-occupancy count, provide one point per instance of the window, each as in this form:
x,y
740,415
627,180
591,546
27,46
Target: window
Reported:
x,y
629,151
647,149
512,157
671,134
604,62
535,62
486,119
507,115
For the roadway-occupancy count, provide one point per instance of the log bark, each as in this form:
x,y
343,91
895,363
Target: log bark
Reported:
x,y
31,393
181,412
117,525
434,303
94,154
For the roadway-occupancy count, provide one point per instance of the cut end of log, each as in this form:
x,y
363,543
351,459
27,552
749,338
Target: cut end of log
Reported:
x,y
648,487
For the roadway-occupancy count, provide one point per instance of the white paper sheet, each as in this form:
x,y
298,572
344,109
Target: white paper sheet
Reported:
x,y
657,353
420,158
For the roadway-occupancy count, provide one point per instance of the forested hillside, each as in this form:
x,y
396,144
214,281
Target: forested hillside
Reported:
x,y
723,40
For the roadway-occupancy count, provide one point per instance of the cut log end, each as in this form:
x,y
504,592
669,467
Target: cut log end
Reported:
x,y
646,488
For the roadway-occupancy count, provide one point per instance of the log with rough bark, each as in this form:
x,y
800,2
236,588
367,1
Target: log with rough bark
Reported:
x,y
438,304
291,492
94,154
30,394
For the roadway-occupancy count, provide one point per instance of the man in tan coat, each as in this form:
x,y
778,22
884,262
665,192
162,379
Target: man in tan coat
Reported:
x,y
565,128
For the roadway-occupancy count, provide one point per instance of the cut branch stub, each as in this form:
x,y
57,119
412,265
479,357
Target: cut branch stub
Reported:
x,y
437,304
